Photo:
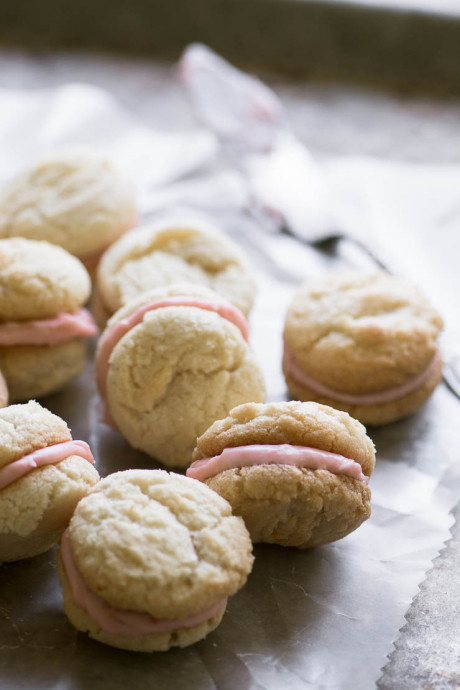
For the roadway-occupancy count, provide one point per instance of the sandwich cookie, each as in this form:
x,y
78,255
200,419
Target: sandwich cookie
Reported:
x,y
43,475
364,343
169,363
172,251
297,473
74,198
149,561
42,324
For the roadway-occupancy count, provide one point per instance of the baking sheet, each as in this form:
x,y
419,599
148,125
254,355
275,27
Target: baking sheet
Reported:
x,y
323,618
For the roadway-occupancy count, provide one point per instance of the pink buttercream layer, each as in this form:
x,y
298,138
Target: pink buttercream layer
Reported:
x,y
60,329
50,455
115,621
377,398
113,335
281,454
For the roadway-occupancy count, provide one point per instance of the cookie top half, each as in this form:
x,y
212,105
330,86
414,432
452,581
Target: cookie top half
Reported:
x,y
178,368
29,427
74,198
39,280
359,332
174,290
307,424
146,540
175,251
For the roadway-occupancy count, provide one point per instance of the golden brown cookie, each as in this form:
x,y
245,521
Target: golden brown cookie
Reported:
x,y
43,475
149,561
74,198
172,251
365,343
296,472
42,323
172,361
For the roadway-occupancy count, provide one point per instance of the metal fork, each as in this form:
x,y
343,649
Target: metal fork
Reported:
x,y
284,182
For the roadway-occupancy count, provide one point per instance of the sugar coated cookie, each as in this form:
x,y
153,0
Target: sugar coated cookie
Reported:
x,y
149,561
172,251
43,475
74,198
169,363
42,323
364,343
297,473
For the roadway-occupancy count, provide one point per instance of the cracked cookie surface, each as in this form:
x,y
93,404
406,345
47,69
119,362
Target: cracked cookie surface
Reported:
x,y
72,198
36,508
362,334
39,281
175,372
284,504
171,542
170,252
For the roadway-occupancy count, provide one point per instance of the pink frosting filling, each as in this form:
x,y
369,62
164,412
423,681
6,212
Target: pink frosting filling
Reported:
x,y
379,397
115,621
282,454
112,336
50,455
60,329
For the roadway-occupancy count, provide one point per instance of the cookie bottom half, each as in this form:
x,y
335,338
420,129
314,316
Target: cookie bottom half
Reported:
x,y
159,642
375,414
282,504
35,510
32,371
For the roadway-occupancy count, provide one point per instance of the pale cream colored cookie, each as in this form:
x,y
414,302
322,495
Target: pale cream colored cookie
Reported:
x,y
37,501
42,324
170,375
362,342
74,198
172,251
149,561
39,280
265,462
33,371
